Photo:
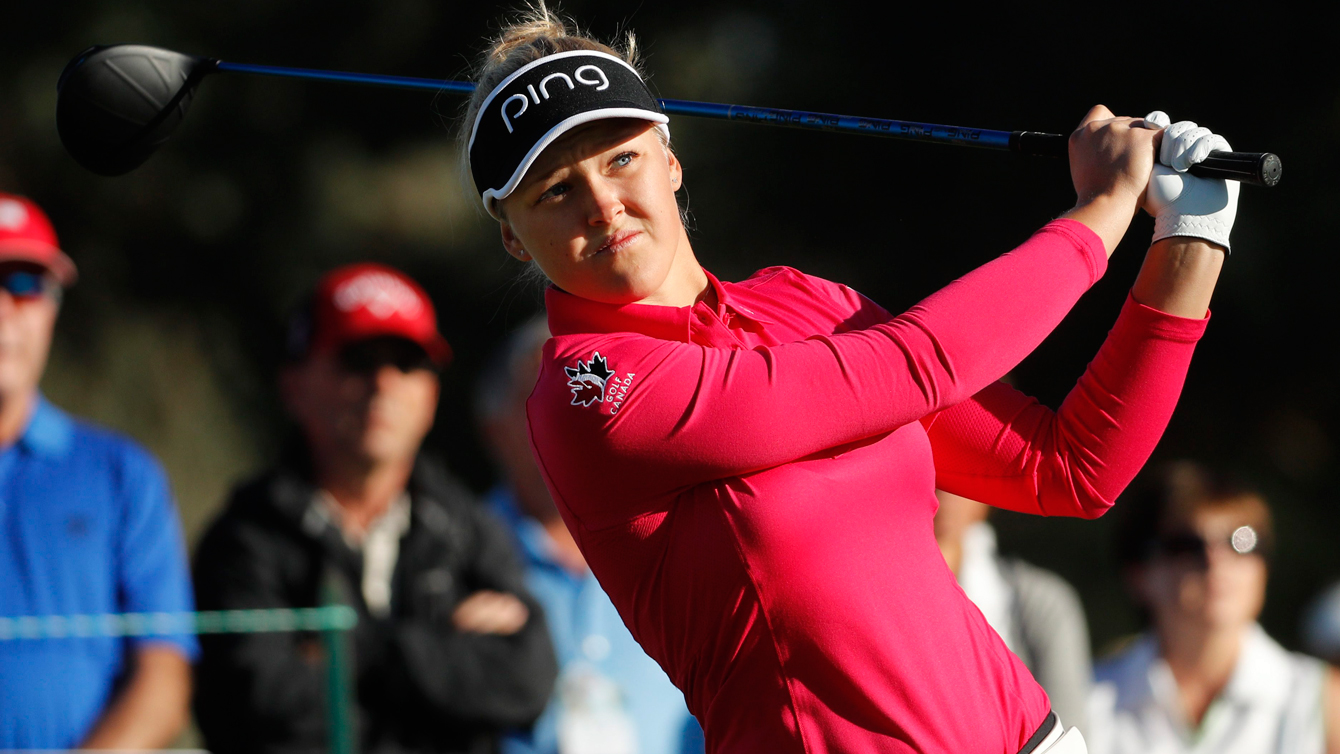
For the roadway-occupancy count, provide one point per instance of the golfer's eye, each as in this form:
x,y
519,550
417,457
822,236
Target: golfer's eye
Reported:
x,y
625,159
558,189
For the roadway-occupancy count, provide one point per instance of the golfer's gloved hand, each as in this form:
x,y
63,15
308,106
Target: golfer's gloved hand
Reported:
x,y
1183,204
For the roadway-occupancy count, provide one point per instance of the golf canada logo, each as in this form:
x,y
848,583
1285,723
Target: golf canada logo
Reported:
x,y
595,382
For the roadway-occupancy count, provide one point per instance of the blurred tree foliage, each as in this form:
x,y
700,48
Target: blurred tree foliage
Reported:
x,y
190,263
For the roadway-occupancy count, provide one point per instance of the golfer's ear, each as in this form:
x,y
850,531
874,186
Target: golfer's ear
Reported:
x,y
511,242
676,169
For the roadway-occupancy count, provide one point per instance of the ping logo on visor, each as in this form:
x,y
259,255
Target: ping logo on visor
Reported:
x,y
540,102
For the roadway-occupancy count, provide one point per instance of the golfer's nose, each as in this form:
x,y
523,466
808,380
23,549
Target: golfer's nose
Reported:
x,y
605,203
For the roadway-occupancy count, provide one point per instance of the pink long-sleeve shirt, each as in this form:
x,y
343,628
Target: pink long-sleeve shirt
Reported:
x,y
753,485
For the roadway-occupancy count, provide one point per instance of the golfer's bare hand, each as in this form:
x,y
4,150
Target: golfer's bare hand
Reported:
x,y
1111,156
487,612
1111,159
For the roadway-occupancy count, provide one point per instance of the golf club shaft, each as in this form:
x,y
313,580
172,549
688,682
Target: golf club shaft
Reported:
x,y
1257,168
373,79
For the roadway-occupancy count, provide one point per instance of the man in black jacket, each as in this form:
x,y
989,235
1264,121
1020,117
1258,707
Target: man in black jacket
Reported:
x,y
449,648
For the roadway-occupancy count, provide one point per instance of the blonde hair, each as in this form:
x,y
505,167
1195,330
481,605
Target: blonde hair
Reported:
x,y
536,33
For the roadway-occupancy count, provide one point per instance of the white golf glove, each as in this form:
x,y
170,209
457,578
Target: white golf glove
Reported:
x,y
1183,204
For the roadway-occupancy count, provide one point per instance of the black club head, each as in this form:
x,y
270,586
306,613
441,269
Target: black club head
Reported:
x,y
116,104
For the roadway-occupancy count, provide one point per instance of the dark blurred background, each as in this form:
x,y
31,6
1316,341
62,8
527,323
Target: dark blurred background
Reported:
x,y
190,263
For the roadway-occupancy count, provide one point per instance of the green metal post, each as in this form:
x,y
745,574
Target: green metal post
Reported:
x,y
341,725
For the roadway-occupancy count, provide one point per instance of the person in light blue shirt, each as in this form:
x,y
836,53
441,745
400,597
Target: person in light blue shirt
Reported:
x,y
611,697
87,526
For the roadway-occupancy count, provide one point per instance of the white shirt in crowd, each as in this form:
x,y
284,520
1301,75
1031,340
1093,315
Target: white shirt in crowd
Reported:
x,y
1271,705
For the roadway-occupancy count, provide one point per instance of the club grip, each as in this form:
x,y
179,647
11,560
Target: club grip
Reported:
x,y
1256,168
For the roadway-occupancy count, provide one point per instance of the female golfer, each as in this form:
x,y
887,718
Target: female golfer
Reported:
x,y
749,468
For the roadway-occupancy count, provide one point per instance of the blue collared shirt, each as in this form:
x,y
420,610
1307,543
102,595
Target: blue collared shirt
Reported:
x,y
587,629
87,526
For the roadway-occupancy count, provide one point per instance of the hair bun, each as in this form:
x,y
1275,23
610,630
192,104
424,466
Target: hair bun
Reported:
x,y
536,27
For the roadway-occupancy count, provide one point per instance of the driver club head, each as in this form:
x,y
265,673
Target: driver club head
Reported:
x,y
116,104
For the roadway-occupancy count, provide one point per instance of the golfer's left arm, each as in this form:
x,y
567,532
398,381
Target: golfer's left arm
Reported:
x,y
1192,220
1178,276
153,706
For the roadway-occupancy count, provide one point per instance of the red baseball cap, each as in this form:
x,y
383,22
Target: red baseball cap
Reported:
x,y
363,301
26,235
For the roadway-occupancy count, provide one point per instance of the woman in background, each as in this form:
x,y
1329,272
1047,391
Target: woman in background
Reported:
x,y
1206,678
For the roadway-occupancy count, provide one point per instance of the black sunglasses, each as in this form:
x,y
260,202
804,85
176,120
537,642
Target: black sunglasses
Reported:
x,y
368,356
26,284
1182,544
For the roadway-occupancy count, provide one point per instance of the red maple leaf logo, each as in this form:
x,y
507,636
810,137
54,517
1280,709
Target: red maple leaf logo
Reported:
x,y
587,380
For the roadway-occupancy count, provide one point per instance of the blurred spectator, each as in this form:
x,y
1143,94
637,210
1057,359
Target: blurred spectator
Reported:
x,y
611,698
1206,678
1036,613
449,649
87,525
1321,626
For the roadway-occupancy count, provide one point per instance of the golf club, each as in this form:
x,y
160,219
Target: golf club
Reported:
x,y
116,104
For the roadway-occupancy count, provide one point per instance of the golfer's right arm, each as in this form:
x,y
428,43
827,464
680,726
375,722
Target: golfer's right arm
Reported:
x,y
1110,163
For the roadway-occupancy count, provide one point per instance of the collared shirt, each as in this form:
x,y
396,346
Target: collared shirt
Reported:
x,y
753,485
379,544
589,635
1272,704
87,526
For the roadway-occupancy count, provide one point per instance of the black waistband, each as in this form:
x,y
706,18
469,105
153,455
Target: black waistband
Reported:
x,y
1042,732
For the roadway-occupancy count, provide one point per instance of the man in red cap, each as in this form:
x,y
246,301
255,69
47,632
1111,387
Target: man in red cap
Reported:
x,y
450,649
87,526
35,271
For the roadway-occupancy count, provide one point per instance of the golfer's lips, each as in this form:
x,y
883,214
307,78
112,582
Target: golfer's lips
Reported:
x,y
617,242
